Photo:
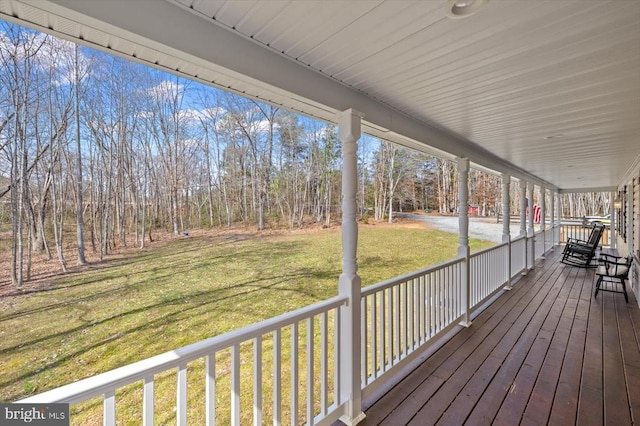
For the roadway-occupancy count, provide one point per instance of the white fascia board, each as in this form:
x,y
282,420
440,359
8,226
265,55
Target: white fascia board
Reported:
x,y
583,190
631,172
170,28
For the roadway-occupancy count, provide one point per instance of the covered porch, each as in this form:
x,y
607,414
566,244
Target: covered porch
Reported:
x,y
503,335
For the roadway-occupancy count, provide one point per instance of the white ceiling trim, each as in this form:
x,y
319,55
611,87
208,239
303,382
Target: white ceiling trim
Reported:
x,y
583,190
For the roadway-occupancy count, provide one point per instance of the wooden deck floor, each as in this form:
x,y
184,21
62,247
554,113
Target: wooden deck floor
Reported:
x,y
547,352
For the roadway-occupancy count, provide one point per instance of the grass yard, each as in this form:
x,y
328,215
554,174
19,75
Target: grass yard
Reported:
x,y
183,291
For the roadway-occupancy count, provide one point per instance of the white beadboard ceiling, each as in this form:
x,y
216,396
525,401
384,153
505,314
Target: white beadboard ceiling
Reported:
x,y
546,90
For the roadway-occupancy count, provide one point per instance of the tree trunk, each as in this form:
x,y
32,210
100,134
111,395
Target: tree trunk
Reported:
x,y
79,202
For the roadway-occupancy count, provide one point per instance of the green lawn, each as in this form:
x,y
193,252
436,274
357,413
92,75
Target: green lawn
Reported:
x,y
185,291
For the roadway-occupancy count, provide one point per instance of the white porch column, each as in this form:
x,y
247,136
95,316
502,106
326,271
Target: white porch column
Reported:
x,y
531,261
523,208
523,223
629,224
559,204
553,219
506,223
349,127
559,209
543,208
463,240
613,236
543,218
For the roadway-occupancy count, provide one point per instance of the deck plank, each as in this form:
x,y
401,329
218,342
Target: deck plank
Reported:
x,y
490,402
460,368
565,401
541,399
466,399
388,403
629,322
547,352
616,407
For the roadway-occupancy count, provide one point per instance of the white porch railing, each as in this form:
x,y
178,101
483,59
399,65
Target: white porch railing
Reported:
x,y
548,235
538,239
312,333
557,232
489,271
401,314
581,232
518,255
401,317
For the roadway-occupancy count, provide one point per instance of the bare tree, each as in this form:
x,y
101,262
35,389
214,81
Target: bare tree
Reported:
x,y
255,122
79,186
167,125
18,50
290,188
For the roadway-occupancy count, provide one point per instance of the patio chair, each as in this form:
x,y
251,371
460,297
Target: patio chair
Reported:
x,y
580,252
612,271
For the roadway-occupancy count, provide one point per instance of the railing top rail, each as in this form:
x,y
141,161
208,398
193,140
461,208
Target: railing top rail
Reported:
x,y
366,291
488,249
114,379
519,238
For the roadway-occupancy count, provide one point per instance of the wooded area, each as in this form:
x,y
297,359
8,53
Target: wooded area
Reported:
x,y
105,151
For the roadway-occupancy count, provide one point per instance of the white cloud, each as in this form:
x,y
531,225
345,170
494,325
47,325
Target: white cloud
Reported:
x,y
21,44
48,54
165,91
262,126
213,113
191,115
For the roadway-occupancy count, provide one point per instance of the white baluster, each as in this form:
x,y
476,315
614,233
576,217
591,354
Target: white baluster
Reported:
x,y
277,377
257,381
210,389
310,370
109,408
147,401
181,403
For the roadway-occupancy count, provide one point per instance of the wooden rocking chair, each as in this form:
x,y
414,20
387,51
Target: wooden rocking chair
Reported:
x,y
580,252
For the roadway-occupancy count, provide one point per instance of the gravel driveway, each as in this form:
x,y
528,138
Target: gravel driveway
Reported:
x,y
482,228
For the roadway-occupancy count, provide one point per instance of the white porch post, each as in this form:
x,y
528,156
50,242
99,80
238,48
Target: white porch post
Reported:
x,y
543,219
629,224
463,240
559,218
531,262
613,237
349,127
543,208
506,223
553,219
523,208
523,222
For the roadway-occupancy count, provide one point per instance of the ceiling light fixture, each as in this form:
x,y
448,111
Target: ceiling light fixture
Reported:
x,y
617,202
457,9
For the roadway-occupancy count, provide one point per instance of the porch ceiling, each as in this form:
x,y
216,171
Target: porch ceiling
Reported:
x,y
545,90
